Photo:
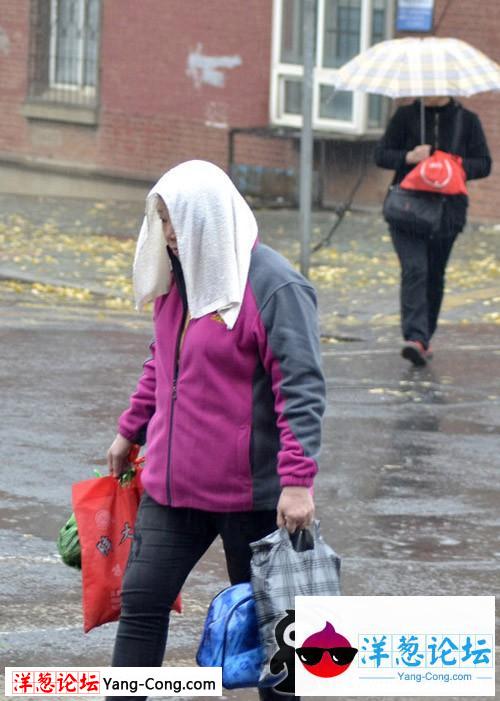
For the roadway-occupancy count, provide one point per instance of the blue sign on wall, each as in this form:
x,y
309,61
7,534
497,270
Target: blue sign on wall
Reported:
x,y
414,15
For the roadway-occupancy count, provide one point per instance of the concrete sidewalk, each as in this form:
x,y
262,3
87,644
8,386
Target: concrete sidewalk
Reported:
x,y
407,491
77,251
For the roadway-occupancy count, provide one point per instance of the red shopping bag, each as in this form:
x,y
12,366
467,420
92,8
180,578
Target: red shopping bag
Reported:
x,y
105,512
442,172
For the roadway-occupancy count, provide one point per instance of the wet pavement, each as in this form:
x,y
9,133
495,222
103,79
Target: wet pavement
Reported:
x,y
408,491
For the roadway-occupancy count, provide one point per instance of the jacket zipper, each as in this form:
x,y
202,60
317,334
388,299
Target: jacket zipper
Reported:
x,y
172,404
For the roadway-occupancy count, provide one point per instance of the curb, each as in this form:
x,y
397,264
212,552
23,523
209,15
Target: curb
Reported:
x,y
19,276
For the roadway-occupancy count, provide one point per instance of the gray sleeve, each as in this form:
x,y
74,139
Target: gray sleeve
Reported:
x,y
290,351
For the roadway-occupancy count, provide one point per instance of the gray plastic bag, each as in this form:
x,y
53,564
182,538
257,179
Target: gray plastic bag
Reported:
x,y
285,566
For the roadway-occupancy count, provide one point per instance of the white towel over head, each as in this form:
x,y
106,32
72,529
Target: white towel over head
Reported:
x,y
215,231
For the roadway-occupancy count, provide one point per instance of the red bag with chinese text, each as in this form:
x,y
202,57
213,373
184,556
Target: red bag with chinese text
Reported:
x,y
105,510
442,173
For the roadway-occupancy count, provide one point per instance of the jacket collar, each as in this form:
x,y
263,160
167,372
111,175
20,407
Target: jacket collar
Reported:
x,y
445,110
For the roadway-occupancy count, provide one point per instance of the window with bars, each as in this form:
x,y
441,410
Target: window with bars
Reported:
x,y
64,52
343,29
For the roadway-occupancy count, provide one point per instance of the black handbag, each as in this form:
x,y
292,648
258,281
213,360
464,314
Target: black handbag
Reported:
x,y
414,212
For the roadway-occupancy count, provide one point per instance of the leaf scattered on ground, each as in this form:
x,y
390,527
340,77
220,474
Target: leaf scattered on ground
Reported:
x,y
96,269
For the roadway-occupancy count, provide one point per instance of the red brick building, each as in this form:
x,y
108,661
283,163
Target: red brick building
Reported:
x,y
100,97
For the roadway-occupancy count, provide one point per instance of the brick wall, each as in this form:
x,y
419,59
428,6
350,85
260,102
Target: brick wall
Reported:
x,y
14,18
155,113
271,152
479,24
151,78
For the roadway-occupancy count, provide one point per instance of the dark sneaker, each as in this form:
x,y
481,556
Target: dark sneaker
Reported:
x,y
415,352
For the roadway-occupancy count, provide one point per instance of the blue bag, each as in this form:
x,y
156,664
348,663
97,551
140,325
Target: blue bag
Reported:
x,y
231,639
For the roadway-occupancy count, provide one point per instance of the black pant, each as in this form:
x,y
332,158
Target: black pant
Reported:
x,y
423,263
167,544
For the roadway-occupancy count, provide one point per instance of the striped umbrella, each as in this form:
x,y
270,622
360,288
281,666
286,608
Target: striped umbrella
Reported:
x,y
414,67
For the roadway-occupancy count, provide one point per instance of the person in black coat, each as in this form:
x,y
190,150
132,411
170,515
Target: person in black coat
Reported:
x,y
423,260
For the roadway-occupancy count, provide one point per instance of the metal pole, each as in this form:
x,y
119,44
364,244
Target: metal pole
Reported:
x,y
422,121
306,141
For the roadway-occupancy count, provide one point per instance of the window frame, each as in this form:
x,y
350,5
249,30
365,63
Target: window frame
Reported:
x,y
53,83
280,72
59,102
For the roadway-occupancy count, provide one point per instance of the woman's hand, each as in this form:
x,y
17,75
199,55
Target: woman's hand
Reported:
x,y
418,154
117,455
295,508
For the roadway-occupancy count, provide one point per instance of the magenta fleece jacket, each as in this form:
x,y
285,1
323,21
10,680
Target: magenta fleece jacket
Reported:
x,y
230,417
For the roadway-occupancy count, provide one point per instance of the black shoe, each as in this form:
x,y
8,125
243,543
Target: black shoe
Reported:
x,y
415,352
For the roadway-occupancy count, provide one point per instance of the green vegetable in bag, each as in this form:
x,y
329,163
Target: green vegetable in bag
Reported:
x,y
68,544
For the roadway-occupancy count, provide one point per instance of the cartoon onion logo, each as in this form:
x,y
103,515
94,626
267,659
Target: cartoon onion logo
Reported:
x,y
327,653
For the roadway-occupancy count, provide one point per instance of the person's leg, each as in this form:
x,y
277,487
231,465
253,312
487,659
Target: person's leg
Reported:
x,y
167,544
412,254
237,531
437,258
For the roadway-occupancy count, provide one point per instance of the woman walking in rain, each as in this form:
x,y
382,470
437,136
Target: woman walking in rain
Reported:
x,y
423,260
230,402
